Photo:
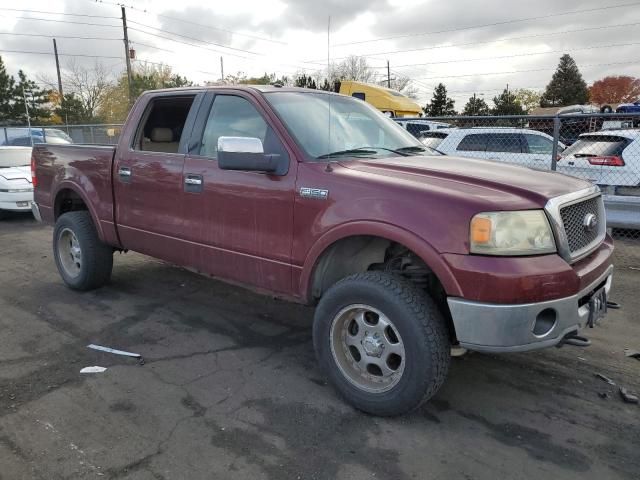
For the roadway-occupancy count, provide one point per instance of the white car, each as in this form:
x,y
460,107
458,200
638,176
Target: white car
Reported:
x,y
521,146
417,126
16,190
607,157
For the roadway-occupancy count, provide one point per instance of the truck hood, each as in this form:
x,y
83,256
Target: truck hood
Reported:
x,y
492,180
16,173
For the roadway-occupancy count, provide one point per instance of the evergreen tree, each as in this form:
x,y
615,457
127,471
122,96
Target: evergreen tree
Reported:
x,y
476,106
36,98
7,89
566,87
305,81
72,110
507,104
326,86
440,104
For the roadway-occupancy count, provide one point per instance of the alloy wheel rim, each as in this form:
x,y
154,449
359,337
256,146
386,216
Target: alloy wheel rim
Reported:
x,y
367,348
69,252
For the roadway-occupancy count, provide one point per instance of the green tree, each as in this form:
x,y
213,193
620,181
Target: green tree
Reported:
x,y
305,81
37,99
567,87
476,106
72,110
529,99
7,88
507,104
440,104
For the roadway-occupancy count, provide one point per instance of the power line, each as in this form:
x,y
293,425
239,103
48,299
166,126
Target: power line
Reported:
x,y
60,54
195,39
522,71
63,21
593,47
58,36
493,24
500,40
131,7
57,13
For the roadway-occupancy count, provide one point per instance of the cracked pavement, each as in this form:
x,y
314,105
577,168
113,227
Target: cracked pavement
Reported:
x,y
230,388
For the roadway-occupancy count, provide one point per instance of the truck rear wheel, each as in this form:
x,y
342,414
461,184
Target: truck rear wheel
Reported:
x,y
382,342
84,262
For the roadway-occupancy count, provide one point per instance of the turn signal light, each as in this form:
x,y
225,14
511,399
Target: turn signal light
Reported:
x,y
609,161
480,230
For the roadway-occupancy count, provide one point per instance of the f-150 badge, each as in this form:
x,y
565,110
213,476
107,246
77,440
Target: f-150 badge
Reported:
x,y
317,193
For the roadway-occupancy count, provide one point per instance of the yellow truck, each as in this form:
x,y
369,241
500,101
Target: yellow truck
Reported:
x,y
391,102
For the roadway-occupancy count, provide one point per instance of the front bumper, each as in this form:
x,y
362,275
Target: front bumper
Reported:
x,y
494,327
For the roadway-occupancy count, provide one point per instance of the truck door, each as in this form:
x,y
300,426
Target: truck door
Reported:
x,y
147,178
239,224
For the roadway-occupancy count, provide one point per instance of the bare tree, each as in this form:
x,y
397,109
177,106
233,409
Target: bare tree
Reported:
x,y
353,68
89,84
403,85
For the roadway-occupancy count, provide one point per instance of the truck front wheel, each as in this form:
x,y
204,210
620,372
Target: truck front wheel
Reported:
x,y
382,342
84,262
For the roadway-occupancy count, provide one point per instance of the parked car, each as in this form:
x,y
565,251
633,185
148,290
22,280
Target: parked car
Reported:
x,y
20,136
629,107
609,157
16,190
417,127
320,199
513,145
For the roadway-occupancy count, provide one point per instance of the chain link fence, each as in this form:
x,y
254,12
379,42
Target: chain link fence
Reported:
x,y
94,134
601,148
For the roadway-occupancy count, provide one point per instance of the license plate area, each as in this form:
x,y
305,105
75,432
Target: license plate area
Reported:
x,y
597,306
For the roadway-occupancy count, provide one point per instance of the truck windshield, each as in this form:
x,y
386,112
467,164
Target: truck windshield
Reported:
x,y
330,126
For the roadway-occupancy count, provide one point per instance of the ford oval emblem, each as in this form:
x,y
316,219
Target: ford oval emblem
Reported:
x,y
590,222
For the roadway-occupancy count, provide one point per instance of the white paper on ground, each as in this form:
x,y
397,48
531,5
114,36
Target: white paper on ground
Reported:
x,y
94,369
113,350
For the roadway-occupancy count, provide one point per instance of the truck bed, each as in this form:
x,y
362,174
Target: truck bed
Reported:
x,y
65,172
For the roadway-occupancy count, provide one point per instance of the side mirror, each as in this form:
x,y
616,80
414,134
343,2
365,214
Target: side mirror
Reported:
x,y
246,154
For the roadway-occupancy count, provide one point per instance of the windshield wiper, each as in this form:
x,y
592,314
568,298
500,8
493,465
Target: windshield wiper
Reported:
x,y
351,151
412,148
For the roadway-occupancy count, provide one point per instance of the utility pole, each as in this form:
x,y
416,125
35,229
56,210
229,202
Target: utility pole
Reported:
x,y
388,75
221,68
55,51
126,52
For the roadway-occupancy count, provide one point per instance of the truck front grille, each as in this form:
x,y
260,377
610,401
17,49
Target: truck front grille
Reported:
x,y
579,237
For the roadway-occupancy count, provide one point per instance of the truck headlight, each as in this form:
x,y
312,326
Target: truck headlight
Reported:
x,y
525,232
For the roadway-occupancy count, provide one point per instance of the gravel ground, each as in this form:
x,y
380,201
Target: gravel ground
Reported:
x,y
230,388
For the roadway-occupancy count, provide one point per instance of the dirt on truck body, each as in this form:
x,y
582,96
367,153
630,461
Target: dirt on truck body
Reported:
x,y
320,199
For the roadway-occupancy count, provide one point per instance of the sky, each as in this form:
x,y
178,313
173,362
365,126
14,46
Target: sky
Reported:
x,y
470,46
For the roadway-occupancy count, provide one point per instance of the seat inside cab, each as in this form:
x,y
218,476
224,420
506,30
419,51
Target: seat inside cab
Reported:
x,y
163,124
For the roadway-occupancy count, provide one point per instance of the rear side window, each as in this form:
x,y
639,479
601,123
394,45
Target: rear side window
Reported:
x,y
475,142
597,145
432,139
162,124
539,144
505,143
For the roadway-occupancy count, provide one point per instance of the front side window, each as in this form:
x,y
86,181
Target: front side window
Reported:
x,y
539,144
233,116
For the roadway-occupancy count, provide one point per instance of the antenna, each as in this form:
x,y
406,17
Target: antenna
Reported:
x,y
329,81
26,109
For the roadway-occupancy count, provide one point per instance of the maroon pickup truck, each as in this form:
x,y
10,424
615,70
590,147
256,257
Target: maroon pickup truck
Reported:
x,y
320,199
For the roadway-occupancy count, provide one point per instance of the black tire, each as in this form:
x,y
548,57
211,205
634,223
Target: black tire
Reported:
x,y
420,325
97,257
606,109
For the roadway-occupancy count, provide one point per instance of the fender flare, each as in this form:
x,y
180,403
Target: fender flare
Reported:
x,y
413,242
70,185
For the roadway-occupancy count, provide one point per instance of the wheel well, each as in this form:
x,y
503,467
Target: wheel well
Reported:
x,y
68,201
362,253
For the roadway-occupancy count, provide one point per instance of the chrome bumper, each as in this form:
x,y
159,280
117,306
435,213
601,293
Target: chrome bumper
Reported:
x,y
36,211
492,327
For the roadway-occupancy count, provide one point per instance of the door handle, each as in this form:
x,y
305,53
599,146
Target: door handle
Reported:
x,y
193,183
125,174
